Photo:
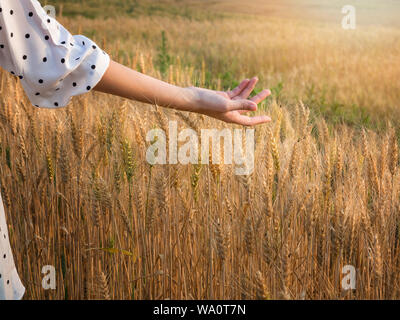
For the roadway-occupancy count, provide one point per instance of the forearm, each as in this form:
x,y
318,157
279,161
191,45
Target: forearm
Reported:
x,y
229,106
125,82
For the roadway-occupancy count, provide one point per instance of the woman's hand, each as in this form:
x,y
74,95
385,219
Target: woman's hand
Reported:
x,y
226,106
229,106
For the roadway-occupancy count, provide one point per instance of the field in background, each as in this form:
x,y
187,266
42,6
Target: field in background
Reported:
x,y
325,193
369,12
347,76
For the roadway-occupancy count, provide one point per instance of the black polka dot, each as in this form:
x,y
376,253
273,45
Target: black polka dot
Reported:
x,y
48,20
24,57
1,46
21,77
11,34
63,42
56,104
93,67
4,256
27,36
37,94
88,88
44,59
62,60
40,80
46,37
94,47
74,84
11,12
30,14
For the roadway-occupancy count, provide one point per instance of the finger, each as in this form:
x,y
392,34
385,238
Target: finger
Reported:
x,y
233,93
246,105
251,121
249,88
243,111
261,96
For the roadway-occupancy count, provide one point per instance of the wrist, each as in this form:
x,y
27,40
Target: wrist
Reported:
x,y
191,99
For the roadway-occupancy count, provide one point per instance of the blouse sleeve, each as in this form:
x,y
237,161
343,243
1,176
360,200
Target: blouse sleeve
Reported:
x,y
51,64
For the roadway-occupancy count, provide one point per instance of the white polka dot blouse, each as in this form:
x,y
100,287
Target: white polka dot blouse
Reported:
x,y
11,287
53,66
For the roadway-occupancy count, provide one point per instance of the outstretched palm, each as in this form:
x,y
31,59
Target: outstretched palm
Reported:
x,y
230,106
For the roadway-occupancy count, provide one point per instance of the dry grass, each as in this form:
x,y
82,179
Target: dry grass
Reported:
x,y
80,195
346,76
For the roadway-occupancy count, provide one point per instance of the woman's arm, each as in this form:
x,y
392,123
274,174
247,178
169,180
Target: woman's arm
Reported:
x,y
226,106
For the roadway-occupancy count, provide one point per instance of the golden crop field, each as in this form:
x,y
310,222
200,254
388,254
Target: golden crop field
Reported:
x,y
325,192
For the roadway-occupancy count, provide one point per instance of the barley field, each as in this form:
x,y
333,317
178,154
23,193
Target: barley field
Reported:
x,y
325,192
